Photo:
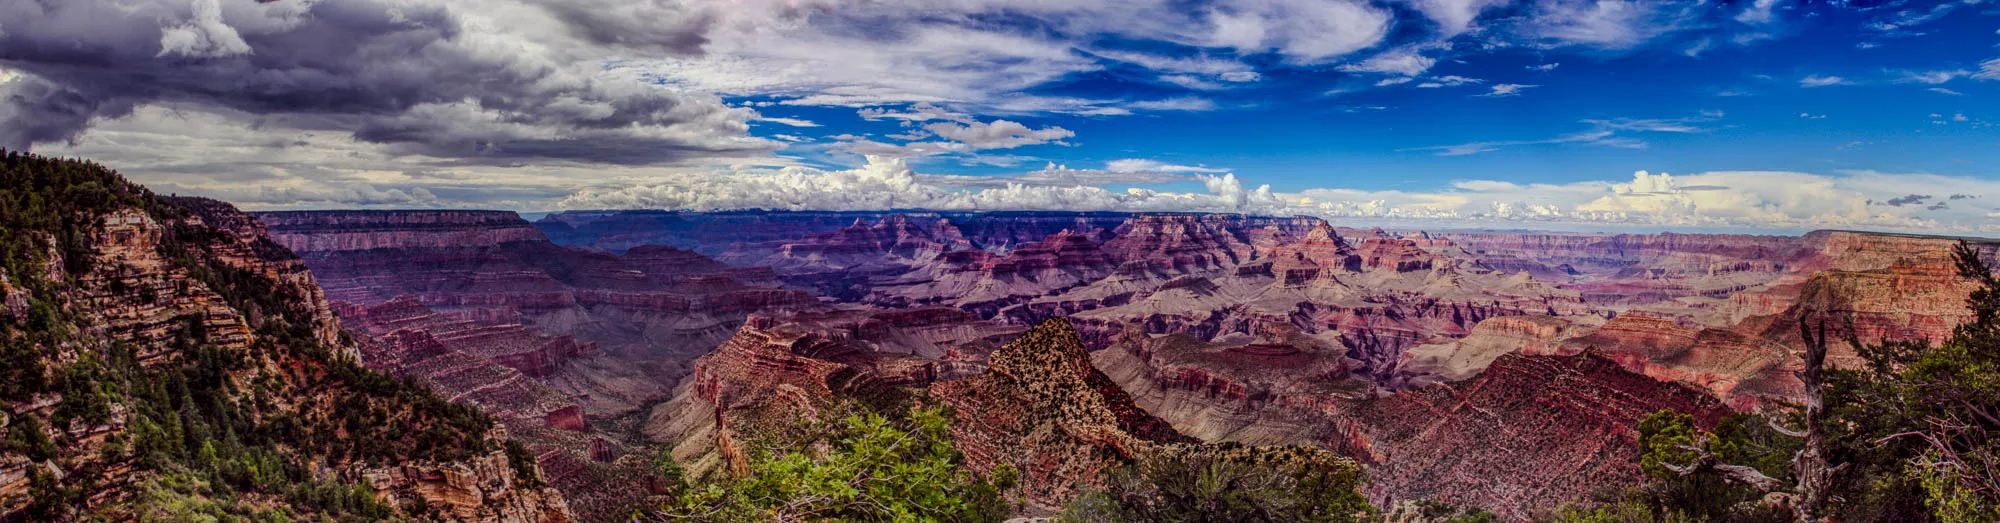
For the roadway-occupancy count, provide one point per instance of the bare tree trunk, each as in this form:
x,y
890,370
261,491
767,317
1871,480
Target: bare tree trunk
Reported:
x,y
1815,475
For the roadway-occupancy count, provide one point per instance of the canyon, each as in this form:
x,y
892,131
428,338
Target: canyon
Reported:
x,y
1506,370
1421,354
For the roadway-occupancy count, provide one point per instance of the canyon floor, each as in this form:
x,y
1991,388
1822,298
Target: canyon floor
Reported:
x,y
1505,370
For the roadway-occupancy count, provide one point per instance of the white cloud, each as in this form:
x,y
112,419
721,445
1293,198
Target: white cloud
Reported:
x,y
1405,62
1385,82
1506,90
1607,24
1454,16
1551,66
889,183
1933,77
1759,12
1184,103
1941,90
998,134
1304,31
1136,165
1988,70
1615,132
1821,81
794,122
1449,81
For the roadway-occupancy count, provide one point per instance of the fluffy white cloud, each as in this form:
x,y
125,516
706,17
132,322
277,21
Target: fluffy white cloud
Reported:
x,y
1757,200
889,183
1304,31
1821,81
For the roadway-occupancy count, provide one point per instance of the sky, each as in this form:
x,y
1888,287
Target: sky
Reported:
x,y
1758,116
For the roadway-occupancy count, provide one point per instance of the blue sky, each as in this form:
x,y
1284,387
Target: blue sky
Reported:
x,y
1740,106
1770,115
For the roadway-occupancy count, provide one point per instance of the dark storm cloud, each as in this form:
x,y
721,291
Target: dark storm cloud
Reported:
x,y
412,76
605,23
1900,201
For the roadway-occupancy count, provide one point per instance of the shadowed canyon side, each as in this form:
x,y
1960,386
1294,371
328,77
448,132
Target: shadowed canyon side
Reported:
x,y
165,358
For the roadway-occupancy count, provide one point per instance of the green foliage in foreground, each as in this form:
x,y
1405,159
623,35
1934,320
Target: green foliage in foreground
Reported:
x,y
1917,428
1922,422
869,468
1205,487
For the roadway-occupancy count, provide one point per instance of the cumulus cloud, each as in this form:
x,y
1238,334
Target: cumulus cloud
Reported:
x,y
426,78
1728,199
890,183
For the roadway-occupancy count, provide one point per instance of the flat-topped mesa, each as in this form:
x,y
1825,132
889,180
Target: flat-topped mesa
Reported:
x,y
322,231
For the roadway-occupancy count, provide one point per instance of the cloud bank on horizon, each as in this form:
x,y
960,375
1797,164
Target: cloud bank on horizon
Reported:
x,y
1789,115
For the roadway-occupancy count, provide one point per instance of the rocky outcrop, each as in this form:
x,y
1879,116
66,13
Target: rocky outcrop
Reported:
x,y
984,284
1530,431
484,489
1180,243
1244,392
191,292
1396,255
1043,409
1489,340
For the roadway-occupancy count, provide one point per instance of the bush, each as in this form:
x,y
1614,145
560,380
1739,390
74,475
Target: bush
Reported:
x,y
1203,487
870,469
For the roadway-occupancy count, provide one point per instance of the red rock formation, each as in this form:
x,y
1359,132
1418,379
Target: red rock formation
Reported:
x,y
1043,409
163,279
1530,431
1321,250
1396,255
